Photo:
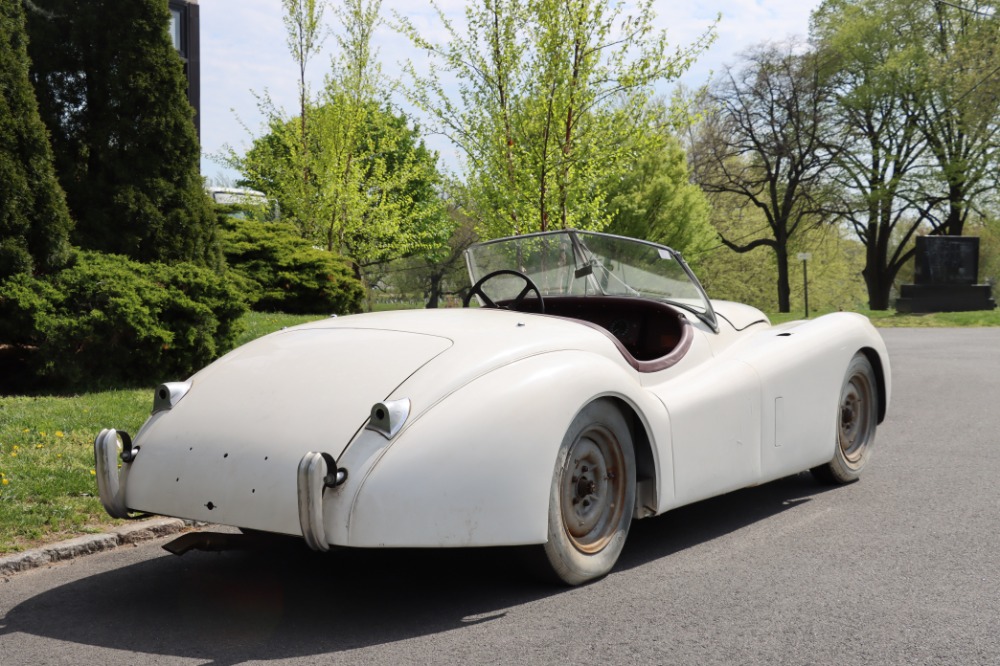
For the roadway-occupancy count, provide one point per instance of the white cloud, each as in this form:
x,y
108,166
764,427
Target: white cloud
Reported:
x,y
243,49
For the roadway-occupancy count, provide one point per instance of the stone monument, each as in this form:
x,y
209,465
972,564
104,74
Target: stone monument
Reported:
x,y
946,272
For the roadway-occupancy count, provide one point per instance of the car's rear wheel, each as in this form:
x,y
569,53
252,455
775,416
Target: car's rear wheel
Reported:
x,y
592,495
857,418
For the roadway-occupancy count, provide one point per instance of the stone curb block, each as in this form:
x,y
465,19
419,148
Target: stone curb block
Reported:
x,y
93,543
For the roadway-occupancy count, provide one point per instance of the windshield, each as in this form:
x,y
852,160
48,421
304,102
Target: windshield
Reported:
x,y
579,263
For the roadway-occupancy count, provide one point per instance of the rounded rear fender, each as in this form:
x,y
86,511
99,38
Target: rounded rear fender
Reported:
x,y
475,469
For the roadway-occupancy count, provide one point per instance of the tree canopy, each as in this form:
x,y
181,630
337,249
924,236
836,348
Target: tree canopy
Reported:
x,y
371,198
552,101
761,140
356,179
34,219
914,131
653,198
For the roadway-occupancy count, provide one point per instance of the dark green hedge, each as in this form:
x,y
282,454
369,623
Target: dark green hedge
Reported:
x,y
287,273
108,321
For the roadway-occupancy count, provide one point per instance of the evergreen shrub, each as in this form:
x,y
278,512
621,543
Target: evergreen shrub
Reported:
x,y
287,274
108,321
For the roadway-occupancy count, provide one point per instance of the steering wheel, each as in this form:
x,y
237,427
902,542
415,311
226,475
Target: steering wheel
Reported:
x,y
515,304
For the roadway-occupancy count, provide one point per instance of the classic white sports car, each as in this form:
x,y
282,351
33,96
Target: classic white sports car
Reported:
x,y
595,384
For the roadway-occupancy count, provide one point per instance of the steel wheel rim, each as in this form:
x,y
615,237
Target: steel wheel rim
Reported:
x,y
592,489
855,418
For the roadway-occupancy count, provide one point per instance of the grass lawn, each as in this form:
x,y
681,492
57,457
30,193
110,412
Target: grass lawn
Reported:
x,y
47,486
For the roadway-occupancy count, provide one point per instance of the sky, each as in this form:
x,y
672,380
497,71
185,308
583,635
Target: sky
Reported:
x,y
244,54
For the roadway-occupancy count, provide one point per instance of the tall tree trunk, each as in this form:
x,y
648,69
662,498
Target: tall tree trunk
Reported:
x,y
877,273
956,207
878,286
784,291
435,295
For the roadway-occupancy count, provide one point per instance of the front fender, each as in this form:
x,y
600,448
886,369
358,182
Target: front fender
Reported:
x,y
475,469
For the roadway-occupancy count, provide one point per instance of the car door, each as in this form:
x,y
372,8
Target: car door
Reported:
x,y
714,408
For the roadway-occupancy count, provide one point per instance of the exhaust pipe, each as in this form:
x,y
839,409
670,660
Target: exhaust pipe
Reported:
x,y
216,542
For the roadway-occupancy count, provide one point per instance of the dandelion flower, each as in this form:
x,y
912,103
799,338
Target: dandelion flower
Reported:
x,y
59,433
93,473
4,482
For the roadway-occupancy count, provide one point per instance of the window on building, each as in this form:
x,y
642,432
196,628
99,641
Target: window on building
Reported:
x,y
175,28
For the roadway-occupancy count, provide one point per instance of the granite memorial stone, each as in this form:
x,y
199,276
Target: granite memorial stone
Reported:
x,y
946,272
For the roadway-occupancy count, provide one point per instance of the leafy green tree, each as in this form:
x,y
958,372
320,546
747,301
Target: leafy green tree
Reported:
x,y
34,220
762,140
959,101
915,129
388,207
879,150
371,188
441,271
111,90
655,199
305,35
552,98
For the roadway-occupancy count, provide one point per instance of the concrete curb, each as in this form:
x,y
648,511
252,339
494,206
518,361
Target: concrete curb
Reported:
x,y
92,543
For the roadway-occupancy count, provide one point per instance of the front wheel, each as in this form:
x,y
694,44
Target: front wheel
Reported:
x,y
592,495
857,417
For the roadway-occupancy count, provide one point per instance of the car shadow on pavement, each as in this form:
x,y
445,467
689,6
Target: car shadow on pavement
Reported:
x,y
698,523
286,602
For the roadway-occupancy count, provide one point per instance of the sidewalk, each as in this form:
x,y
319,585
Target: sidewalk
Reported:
x,y
92,543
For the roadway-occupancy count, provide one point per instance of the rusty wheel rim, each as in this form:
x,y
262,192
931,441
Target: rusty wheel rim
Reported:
x,y
592,489
856,417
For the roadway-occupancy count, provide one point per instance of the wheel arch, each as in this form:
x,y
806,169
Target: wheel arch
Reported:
x,y
880,379
646,472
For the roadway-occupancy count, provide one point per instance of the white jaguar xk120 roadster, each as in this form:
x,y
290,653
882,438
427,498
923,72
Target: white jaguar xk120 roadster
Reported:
x,y
595,384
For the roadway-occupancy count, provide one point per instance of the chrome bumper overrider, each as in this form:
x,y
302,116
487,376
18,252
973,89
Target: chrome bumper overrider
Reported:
x,y
317,472
111,479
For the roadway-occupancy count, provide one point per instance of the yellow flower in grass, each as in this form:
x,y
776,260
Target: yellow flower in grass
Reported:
x,y
59,433
4,481
42,433
93,473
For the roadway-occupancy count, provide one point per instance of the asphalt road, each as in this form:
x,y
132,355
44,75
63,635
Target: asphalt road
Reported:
x,y
900,568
